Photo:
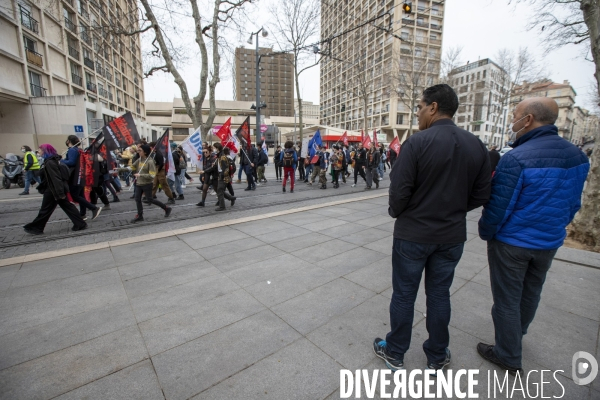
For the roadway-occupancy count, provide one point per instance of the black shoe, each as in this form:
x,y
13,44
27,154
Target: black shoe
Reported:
x,y
368,188
377,185
323,187
145,199
75,229
253,187
247,189
137,218
116,200
96,212
84,217
199,187
132,197
217,204
106,207
180,197
154,197
220,209
201,204
440,366
171,201
23,193
233,199
487,351
284,189
291,190
393,363
33,231
168,211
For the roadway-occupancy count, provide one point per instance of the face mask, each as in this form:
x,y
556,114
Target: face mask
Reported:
x,y
512,135
23,150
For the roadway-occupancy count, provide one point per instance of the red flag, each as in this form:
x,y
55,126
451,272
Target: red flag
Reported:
x,y
375,138
225,131
345,138
366,142
395,146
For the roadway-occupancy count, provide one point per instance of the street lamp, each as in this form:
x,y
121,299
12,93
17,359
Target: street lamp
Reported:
x,y
258,104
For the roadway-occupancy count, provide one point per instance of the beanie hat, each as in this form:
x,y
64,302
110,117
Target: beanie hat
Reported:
x,y
146,149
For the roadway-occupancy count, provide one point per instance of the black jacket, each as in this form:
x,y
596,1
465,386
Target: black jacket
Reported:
x,y
55,177
360,157
441,173
250,157
276,157
494,159
176,162
159,161
373,159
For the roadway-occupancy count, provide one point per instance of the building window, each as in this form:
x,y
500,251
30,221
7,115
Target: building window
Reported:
x,y
35,82
399,119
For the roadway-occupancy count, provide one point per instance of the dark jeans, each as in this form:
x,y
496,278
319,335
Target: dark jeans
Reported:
x,y
29,176
78,197
221,195
145,190
49,204
249,175
301,169
358,170
517,276
278,171
409,259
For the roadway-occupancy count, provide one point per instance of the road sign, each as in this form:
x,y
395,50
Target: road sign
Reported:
x,y
78,128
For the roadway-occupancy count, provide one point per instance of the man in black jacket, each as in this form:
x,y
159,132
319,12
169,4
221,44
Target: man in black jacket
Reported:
x,y
442,173
160,178
249,161
360,161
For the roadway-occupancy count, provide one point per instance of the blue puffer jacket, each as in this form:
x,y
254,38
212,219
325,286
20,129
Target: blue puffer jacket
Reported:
x,y
536,191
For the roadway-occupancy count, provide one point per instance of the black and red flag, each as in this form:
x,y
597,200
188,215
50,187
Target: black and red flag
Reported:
x,y
243,134
164,148
120,132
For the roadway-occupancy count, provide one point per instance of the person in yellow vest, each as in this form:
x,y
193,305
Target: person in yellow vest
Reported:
x,y
32,168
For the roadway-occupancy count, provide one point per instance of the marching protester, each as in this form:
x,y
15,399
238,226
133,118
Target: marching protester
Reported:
x,y
442,173
76,179
359,163
337,164
300,163
277,163
536,191
145,171
372,167
317,166
223,178
160,178
289,161
248,162
175,185
348,160
31,165
209,172
382,158
227,152
54,187
263,159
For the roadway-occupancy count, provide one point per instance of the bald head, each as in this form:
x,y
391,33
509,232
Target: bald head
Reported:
x,y
534,112
543,109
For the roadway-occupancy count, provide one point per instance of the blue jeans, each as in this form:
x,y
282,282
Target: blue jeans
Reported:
x,y
380,169
175,186
308,171
240,170
409,259
517,276
29,175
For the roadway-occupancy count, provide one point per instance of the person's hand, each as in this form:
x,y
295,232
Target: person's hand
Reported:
x,y
191,180
136,175
200,172
252,165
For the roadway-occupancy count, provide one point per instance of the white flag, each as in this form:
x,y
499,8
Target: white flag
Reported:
x,y
193,146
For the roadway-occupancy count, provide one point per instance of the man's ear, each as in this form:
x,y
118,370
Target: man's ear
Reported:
x,y
434,107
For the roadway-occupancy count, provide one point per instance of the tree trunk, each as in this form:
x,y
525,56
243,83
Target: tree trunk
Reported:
x,y
586,224
298,97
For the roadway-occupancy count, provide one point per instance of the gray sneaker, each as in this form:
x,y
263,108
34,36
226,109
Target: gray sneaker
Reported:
x,y
440,366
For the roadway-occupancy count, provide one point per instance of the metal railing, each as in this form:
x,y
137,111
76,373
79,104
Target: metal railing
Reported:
x,y
102,92
108,75
78,80
28,21
117,81
37,91
34,57
110,96
91,87
85,37
73,52
70,25
88,62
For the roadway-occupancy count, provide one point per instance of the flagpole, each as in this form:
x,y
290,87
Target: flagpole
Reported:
x,y
83,138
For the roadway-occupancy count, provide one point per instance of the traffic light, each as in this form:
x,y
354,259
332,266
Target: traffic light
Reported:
x,y
407,7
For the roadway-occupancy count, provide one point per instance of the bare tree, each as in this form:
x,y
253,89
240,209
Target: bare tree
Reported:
x,y
451,60
207,35
563,22
297,25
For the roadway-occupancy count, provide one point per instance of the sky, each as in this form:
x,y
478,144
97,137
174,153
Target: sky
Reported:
x,y
481,27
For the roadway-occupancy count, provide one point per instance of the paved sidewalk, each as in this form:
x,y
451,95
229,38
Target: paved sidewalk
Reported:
x,y
269,309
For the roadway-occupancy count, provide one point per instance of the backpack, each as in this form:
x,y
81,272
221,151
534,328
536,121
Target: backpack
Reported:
x,y
232,168
182,161
264,158
288,158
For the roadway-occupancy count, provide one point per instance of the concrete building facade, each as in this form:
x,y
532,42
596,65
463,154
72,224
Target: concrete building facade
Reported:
x,y
363,63
58,48
309,110
276,80
482,88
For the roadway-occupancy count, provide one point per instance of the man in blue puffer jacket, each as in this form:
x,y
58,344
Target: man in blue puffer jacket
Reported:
x,y
536,192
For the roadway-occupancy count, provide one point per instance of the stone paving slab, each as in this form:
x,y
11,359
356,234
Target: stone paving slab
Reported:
x,y
268,309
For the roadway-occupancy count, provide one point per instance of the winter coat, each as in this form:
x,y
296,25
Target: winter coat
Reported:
x,y
55,177
536,191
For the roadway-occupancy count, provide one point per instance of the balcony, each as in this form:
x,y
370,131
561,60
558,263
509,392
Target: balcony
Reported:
x,y
95,4
85,37
27,21
436,27
405,51
84,13
102,92
435,42
138,110
406,21
73,52
422,24
34,58
77,79
107,75
88,62
118,100
99,69
37,91
137,95
117,81
136,81
91,87
110,96
70,25
69,2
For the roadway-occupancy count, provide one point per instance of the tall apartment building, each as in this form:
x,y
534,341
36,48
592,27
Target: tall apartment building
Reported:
x,y
57,48
309,110
276,80
364,62
482,88
563,93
